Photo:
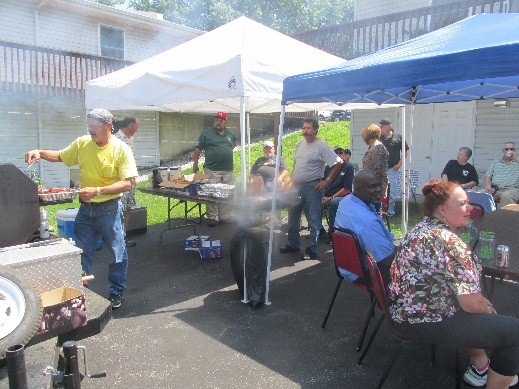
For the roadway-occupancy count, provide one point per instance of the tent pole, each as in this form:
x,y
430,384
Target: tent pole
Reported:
x,y
274,199
247,115
243,183
403,176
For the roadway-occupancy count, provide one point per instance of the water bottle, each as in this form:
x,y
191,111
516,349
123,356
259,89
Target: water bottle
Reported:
x,y
44,225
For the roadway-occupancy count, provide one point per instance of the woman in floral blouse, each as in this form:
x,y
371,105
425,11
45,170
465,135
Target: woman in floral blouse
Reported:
x,y
435,293
376,157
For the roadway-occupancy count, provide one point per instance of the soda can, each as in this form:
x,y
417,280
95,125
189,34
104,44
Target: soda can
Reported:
x,y
503,256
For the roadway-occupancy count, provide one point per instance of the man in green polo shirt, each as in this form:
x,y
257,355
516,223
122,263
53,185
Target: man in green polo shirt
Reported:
x,y
218,143
502,176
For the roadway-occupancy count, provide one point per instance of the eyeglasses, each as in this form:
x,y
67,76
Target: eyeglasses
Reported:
x,y
510,148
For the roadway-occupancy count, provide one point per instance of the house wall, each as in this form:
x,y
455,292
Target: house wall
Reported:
x,y
365,9
78,31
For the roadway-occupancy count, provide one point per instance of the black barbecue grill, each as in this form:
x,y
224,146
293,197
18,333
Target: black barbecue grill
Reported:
x,y
19,206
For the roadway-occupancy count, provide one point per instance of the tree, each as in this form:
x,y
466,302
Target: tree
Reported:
x,y
287,16
109,2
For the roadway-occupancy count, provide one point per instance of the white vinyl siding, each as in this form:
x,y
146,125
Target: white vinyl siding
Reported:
x,y
17,21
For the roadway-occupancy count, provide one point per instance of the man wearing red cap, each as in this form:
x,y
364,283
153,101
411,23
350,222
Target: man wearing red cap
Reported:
x,y
218,143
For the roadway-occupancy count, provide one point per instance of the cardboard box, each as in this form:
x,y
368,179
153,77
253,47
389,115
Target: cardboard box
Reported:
x,y
194,242
63,310
211,249
178,184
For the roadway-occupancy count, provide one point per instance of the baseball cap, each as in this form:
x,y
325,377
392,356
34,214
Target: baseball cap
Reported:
x,y
221,115
384,122
268,143
101,114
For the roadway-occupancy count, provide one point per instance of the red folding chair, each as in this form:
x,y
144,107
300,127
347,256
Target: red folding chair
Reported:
x,y
383,211
348,255
477,211
377,285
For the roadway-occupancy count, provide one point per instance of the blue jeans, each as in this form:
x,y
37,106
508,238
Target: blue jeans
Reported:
x,y
393,177
105,219
333,205
311,199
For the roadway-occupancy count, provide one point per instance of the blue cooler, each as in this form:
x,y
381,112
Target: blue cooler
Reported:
x,y
65,220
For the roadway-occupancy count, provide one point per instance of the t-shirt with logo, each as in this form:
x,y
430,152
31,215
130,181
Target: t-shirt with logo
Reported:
x,y
462,174
393,146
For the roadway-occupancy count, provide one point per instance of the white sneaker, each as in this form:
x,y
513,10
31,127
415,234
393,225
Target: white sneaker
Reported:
x,y
474,378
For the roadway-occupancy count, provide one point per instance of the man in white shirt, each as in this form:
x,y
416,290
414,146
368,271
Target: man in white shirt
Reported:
x,y
126,133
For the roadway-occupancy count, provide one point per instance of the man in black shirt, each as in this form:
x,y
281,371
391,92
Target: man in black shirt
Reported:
x,y
460,171
266,166
393,144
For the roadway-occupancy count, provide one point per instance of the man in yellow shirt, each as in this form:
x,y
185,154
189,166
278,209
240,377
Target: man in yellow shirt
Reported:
x,y
107,168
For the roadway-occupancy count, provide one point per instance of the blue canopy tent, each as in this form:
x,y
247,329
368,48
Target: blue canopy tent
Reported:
x,y
475,58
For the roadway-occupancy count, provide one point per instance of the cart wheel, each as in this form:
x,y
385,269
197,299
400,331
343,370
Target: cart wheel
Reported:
x,y
20,310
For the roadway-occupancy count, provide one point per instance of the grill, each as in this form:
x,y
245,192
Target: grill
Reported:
x,y
19,206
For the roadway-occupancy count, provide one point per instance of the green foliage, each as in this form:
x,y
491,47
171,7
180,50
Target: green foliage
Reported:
x,y
109,2
287,16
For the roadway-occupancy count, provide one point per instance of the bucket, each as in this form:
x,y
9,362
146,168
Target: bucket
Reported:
x,y
164,173
65,220
175,173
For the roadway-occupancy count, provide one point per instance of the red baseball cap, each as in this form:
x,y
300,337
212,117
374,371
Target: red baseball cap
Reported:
x,y
221,115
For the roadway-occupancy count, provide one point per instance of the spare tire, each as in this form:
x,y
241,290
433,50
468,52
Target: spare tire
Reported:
x,y
247,247
20,310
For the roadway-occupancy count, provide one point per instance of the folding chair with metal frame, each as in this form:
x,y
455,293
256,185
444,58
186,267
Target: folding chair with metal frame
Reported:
x,y
349,256
382,300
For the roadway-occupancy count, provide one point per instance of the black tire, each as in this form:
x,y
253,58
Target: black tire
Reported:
x,y
247,244
29,323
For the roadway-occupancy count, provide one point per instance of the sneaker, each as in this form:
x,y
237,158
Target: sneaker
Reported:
x,y
309,254
475,378
288,249
116,300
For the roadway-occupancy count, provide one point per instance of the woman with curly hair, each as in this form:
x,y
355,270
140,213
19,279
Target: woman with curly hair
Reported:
x,y
435,292
376,157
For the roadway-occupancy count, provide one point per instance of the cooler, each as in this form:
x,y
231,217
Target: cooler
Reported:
x,y
65,220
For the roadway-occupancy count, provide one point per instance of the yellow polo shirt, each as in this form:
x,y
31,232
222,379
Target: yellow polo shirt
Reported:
x,y
100,166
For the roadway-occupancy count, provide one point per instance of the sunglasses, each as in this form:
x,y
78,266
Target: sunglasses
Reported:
x,y
510,148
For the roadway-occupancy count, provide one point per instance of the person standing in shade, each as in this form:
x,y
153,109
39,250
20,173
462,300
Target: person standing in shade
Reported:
x,y
376,158
126,133
107,169
460,171
218,144
311,156
502,176
393,144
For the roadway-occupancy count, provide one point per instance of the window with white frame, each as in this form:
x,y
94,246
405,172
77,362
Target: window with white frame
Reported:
x,y
111,42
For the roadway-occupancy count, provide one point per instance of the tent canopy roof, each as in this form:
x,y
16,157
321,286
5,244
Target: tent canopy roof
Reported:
x,y
241,59
472,59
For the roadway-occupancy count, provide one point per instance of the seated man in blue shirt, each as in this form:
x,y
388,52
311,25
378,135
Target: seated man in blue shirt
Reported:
x,y
357,213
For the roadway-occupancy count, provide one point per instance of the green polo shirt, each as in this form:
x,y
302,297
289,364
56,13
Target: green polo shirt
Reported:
x,y
218,149
504,175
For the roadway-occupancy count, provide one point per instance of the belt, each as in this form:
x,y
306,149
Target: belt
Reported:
x,y
100,203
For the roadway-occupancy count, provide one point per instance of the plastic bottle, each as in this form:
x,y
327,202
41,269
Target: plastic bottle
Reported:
x,y
468,234
44,225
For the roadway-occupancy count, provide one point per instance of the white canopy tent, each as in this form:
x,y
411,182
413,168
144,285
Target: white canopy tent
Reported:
x,y
238,68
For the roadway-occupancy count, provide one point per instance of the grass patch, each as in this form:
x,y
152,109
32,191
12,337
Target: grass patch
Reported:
x,y
336,134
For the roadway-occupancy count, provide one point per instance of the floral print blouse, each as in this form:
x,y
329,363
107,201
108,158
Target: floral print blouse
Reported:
x,y
431,268
375,160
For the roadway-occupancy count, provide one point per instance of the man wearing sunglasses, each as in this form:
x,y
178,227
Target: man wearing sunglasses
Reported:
x,y
502,176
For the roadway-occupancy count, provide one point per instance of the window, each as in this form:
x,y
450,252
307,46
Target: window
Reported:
x,y
111,41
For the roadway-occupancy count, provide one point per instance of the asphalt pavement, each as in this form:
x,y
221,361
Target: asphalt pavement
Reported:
x,y
182,324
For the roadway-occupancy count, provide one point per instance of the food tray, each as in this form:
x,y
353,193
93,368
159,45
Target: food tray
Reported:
x,y
57,196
